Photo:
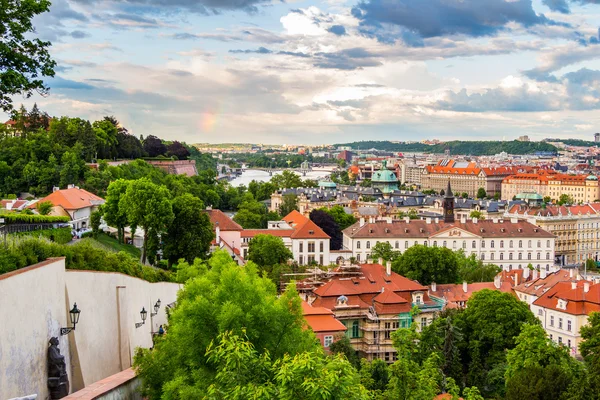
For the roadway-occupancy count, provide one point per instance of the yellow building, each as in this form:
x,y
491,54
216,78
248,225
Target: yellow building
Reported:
x,y
583,189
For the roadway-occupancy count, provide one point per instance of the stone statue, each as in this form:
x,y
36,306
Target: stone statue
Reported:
x,y
58,380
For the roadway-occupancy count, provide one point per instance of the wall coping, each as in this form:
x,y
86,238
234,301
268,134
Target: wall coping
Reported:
x,y
30,268
104,386
68,270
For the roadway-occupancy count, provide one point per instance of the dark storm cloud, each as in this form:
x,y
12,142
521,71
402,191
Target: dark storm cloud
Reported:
x,y
433,18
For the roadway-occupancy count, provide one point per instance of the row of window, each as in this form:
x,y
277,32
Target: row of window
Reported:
x,y
520,256
310,259
464,244
560,322
311,247
560,341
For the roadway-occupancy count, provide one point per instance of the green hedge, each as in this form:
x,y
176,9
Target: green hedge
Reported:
x,y
85,255
58,235
15,218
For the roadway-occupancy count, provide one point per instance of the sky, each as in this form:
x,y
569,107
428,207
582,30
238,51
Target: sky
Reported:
x,y
330,71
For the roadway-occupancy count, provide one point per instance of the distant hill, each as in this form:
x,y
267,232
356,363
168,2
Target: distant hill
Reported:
x,y
576,142
472,148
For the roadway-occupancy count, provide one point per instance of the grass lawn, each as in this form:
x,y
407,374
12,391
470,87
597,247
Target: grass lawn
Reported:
x,y
113,244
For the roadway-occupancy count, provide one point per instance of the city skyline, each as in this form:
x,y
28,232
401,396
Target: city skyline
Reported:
x,y
333,71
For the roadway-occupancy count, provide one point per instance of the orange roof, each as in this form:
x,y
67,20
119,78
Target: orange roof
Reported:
x,y
304,228
578,302
544,177
72,199
321,319
295,218
455,293
539,286
225,223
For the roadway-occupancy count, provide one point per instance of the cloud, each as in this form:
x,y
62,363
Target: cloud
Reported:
x,y
51,25
337,30
347,59
61,83
562,6
206,7
264,50
79,34
246,34
434,18
559,57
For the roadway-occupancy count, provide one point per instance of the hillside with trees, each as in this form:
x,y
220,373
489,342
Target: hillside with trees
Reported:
x,y
471,148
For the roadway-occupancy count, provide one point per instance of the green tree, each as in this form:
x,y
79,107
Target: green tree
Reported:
x,y
224,298
148,206
481,193
342,346
340,216
115,212
287,179
190,234
72,167
590,351
384,250
95,219
24,60
477,214
565,199
289,203
267,251
427,264
251,213
547,199
464,195
375,375
44,207
471,269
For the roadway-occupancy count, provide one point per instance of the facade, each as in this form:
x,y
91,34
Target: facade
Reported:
x,y
227,233
465,177
577,229
73,202
582,188
410,173
323,323
511,244
372,302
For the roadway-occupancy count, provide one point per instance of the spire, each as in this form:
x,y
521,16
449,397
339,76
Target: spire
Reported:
x,y
449,190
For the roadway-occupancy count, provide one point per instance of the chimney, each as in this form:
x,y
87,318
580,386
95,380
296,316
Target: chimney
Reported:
x,y
535,273
516,279
407,219
217,233
465,287
55,189
428,220
369,260
543,273
437,220
497,281
586,287
362,222
474,220
571,273
573,285
70,186
514,220
388,268
380,261
433,287
525,274
463,219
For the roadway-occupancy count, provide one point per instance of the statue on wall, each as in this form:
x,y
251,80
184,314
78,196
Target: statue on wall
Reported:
x,y
58,380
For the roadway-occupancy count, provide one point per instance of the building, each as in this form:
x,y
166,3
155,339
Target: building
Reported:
x,y
372,302
582,188
523,138
13,204
227,233
511,244
457,295
73,202
307,242
323,323
384,180
346,155
532,289
576,228
410,172
597,137
465,177
564,309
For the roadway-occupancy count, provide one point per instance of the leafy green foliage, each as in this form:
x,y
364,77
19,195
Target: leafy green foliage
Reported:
x,y
24,61
477,214
253,214
342,346
565,199
267,251
224,298
340,216
57,235
326,222
428,264
287,179
16,218
114,211
481,194
471,269
590,351
289,203
385,251
44,207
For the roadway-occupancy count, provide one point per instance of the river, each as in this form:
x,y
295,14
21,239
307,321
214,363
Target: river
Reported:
x,y
261,176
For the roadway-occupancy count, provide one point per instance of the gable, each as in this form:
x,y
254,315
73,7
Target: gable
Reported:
x,y
454,233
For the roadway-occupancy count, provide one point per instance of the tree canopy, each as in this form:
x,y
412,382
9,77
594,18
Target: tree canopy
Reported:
x,y
326,222
428,264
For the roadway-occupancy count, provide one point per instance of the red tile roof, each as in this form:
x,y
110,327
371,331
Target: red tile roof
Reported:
x,y
578,302
321,319
304,228
225,223
455,293
544,177
537,287
555,211
72,199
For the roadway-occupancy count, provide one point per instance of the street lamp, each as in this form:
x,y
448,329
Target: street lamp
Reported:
x,y
74,315
143,314
156,307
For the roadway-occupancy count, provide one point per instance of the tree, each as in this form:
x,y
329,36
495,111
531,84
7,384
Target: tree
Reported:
x,y
154,146
471,269
23,61
251,213
477,214
342,346
287,179
375,375
267,251
148,206
95,219
115,212
190,234
565,199
428,264
590,350
289,203
44,207
329,226
384,250
223,298
464,195
343,219
178,150
106,132
547,199
481,193
442,192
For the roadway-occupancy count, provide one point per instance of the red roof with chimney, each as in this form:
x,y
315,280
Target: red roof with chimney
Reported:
x,y
537,287
71,199
304,228
576,300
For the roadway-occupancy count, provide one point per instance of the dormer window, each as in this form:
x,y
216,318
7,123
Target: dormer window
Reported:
x,y
562,304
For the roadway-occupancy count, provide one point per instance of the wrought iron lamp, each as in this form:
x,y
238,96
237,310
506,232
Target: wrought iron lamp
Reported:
x,y
156,307
74,315
143,314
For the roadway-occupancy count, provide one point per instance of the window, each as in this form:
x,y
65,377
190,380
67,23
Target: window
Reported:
x,y
321,247
464,245
454,244
539,244
483,244
529,256
311,259
492,256
423,322
539,256
321,259
510,244
502,256
560,340
540,312
311,247
492,244
302,246
569,326
547,243
397,244
552,320
560,323
520,243
357,245
520,256
418,299
547,256
368,244
435,243
328,340
569,343
502,244
445,244
474,245
510,256
529,243
300,260
482,256
355,332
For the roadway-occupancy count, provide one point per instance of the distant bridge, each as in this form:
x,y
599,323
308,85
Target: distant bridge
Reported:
x,y
303,170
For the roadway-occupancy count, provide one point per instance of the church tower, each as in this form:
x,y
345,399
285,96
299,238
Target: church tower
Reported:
x,y
448,205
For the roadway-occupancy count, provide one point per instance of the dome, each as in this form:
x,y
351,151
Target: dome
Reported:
x,y
591,178
384,176
327,184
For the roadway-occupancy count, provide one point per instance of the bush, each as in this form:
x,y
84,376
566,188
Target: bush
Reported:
x,y
57,235
14,218
87,234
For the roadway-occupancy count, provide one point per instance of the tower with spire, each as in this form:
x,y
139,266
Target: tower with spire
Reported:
x,y
448,205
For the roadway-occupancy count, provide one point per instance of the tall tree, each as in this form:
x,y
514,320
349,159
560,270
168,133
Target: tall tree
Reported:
x,y
340,216
329,226
385,251
287,179
190,234
590,350
267,251
24,61
178,150
115,213
428,264
148,206
154,146
289,203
